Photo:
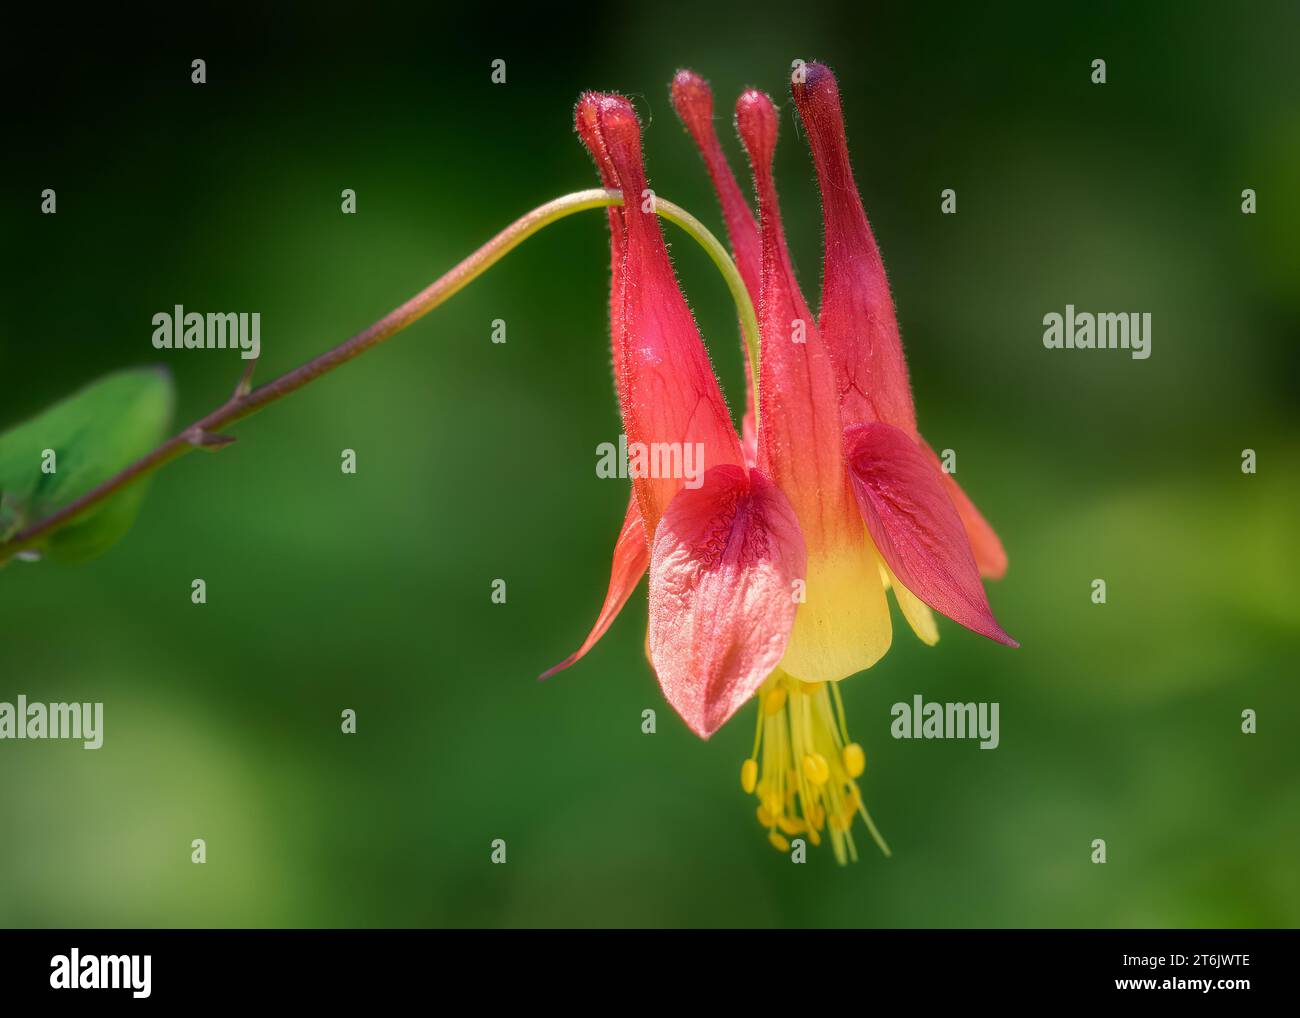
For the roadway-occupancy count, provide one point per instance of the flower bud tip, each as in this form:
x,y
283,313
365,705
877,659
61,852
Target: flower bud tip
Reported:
x,y
692,99
757,124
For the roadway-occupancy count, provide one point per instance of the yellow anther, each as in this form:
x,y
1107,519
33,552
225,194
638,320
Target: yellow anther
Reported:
x,y
855,760
816,769
804,769
791,825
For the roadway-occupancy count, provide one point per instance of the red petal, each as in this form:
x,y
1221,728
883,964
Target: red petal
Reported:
x,y
586,120
721,593
693,101
800,438
631,557
989,553
857,314
915,526
748,430
843,626
667,390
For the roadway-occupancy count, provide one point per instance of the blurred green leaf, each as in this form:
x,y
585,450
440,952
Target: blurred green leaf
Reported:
x,y
93,434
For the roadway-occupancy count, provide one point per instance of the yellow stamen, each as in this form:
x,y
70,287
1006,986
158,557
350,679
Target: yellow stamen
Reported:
x,y
791,825
804,767
855,761
816,768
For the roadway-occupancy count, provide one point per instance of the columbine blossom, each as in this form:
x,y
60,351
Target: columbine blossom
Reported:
x,y
770,577
857,312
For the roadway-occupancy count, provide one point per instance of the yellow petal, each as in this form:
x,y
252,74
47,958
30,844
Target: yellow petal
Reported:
x,y
843,624
916,611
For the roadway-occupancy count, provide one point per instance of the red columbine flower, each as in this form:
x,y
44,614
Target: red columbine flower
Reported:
x,y
858,319
771,576
917,517
724,556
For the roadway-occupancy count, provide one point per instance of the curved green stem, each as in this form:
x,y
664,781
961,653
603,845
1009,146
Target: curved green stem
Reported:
x,y
580,201
244,403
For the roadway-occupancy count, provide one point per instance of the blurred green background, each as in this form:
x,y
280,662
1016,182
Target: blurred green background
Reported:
x,y
476,461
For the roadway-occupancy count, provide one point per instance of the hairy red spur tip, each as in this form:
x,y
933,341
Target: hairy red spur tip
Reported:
x,y
667,389
594,116
693,101
618,122
587,123
817,97
814,82
586,118
621,132
584,112
857,318
756,122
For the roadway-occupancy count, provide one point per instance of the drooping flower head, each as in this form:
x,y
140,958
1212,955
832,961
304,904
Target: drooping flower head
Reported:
x,y
770,576
851,359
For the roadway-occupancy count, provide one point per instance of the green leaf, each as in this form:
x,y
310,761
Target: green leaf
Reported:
x,y
86,438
